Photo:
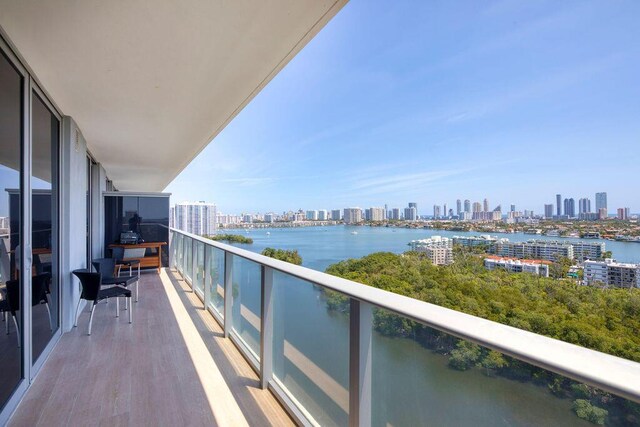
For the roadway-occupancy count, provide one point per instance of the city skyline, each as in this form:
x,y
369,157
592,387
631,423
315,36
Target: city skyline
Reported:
x,y
367,114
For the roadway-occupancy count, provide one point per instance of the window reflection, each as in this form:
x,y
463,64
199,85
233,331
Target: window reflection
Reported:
x,y
11,84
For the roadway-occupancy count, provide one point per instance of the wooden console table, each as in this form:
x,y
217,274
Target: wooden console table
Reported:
x,y
153,260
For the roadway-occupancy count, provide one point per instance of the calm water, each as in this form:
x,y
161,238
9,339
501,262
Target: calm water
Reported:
x,y
411,385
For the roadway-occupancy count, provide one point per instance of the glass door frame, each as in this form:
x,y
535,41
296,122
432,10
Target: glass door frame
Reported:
x,y
56,206
30,88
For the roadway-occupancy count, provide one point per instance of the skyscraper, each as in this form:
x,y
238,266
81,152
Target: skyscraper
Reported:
x,y
477,207
414,205
458,207
485,205
444,210
601,201
195,217
548,211
436,211
584,205
570,207
513,208
467,205
558,204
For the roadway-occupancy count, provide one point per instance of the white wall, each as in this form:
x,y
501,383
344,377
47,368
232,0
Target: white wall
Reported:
x,y
73,182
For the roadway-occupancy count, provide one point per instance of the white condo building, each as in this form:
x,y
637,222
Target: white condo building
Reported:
x,y
517,266
352,215
438,249
194,217
612,273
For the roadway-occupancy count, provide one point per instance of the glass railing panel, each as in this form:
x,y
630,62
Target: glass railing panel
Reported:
x,y
179,246
215,270
198,276
246,302
421,376
188,259
311,348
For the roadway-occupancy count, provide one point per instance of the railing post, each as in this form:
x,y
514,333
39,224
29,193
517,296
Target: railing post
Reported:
x,y
194,265
228,292
266,327
206,276
172,244
360,334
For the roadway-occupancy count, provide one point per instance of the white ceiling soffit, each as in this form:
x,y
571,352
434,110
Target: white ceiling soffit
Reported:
x,y
151,82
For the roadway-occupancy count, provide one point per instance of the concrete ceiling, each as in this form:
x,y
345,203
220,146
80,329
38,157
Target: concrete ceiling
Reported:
x,y
151,82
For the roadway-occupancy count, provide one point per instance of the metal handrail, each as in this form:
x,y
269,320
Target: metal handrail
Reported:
x,y
609,373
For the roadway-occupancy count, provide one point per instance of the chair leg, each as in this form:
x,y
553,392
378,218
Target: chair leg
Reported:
x,y
93,308
117,307
15,322
137,289
126,303
75,321
130,270
50,319
6,320
130,312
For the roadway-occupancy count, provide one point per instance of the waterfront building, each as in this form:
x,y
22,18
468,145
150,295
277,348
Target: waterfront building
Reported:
x,y
270,217
477,207
537,267
584,206
484,240
374,214
602,214
438,249
558,205
513,208
587,250
467,205
410,214
601,201
247,218
436,212
485,205
570,207
623,214
458,207
466,216
194,217
312,215
414,205
323,215
395,214
548,211
547,250
336,215
611,273
352,215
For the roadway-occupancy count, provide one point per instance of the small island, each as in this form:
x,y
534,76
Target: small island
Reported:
x,y
231,238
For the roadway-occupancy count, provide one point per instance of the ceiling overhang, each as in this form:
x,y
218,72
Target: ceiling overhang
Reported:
x,y
151,82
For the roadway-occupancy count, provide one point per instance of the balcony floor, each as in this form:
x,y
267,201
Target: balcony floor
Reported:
x,y
172,366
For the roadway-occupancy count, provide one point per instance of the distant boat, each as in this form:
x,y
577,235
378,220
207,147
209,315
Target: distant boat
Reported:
x,y
268,233
354,232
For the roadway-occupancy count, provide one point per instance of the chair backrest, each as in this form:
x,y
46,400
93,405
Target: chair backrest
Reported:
x,y
39,286
117,253
105,266
13,295
90,283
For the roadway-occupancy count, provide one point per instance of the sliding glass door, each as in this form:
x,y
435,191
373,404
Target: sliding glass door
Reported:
x,y
12,85
45,144
29,229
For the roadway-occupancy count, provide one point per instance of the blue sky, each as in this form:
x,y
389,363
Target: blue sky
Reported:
x,y
432,101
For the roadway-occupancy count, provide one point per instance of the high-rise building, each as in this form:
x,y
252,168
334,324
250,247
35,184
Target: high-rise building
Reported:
x,y
374,214
312,215
548,211
410,213
195,217
558,205
352,215
584,205
436,212
623,213
467,205
485,205
611,273
444,210
601,201
438,249
477,207
395,213
602,214
513,208
323,215
458,207
414,205
336,215
570,207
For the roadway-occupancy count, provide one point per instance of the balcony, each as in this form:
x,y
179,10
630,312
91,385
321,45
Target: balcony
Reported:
x,y
267,356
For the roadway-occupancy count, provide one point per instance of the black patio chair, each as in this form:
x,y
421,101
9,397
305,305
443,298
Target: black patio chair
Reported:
x,y
117,253
107,267
92,292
